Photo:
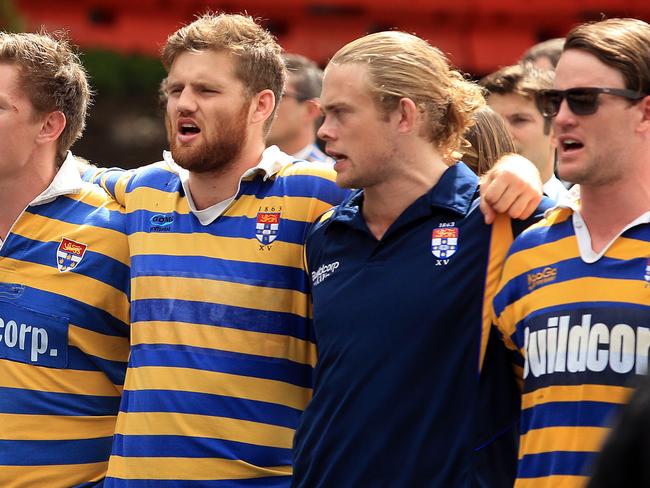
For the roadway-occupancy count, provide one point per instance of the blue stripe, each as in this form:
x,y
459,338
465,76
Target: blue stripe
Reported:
x,y
93,265
37,453
254,274
80,213
223,315
543,235
18,401
81,361
292,231
80,314
144,401
555,463
221,361
270,482
306,186
568,414
199,447
151,177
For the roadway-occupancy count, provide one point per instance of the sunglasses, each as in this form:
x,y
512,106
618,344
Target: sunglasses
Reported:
x,y
581,101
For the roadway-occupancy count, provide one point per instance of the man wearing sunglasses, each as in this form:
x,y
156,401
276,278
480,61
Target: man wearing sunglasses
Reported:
x,y
574,298
298,114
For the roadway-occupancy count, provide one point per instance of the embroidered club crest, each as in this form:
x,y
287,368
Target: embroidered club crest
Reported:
x,y
266,228
69,254
647,271
444,242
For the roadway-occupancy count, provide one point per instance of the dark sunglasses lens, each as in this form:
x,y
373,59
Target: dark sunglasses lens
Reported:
x,y
549,103
582,102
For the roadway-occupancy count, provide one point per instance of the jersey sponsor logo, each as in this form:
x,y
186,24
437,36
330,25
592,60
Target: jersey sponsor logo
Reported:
x,y
161,223
562,347
32,337
547,275
69,254
267,227
647,271
323,271
444,241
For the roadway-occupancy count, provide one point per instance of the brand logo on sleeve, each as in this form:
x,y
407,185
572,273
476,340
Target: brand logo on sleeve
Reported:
x,y
161,223
444,242
647,271
323,271
69,254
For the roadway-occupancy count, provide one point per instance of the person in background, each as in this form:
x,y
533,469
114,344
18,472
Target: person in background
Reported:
x,y
298,114
544,55
511,93
64,277
488,140
574,297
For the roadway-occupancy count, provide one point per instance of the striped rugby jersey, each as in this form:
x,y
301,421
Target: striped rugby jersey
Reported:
x,y
64,310
222,351
581,326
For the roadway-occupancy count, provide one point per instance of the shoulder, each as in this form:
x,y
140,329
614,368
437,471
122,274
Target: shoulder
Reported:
x,y
552,227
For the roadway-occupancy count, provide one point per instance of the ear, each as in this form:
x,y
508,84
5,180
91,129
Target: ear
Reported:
x,y
644,106
51,128
313,108
407,112
262,106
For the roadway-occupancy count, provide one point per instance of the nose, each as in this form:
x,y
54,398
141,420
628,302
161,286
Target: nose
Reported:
x,y
325,131
564,116
186,101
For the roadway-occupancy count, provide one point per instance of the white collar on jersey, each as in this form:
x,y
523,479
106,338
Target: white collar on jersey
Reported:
x,y
273,160
67,181
583,237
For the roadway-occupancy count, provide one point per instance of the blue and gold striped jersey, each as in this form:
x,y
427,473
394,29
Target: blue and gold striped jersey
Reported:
x,y
222,351
581,326
64,310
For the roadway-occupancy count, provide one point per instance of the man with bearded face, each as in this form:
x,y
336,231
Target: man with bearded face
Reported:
x,y
221,364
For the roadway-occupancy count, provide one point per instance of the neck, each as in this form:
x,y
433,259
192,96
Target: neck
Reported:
x,y
18,189
209,189
414,176
608,209
546,171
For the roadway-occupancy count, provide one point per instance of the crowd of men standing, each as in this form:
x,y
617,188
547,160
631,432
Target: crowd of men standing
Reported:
x,y
380,315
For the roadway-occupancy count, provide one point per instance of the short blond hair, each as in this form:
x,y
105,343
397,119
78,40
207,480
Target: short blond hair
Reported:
x,y
52,77
402,65
258,57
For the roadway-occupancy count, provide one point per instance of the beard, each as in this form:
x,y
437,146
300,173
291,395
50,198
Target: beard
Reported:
x,y
217,154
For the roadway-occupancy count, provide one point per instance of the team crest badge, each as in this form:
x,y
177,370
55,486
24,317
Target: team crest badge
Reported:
x,y
444,242
69,254
266,228
647,271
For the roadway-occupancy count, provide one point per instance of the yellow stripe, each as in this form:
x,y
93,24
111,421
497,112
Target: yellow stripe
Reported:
x,y
553,439
223,292
101,345
28,377
590,289
558,481
540,256
76,286
25,427
172,468
625,248
154,200
191,425
98,239
500,240
194,380
576,393
225,339
322,170
239,249
51,476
